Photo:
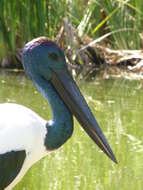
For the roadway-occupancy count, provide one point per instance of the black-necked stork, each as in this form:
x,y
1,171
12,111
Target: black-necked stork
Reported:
x,y
25,137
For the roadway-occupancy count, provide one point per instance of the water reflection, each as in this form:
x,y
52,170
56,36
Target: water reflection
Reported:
x,y
79,164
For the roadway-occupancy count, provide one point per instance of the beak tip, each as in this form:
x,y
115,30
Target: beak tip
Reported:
x,y
113,158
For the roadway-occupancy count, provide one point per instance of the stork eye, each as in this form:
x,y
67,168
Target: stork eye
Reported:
x,y
53,56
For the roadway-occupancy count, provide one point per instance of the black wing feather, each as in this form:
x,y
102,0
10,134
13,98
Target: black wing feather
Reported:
x,y
10,165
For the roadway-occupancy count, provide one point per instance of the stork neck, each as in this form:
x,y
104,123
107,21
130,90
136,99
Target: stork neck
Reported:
x,y
61,127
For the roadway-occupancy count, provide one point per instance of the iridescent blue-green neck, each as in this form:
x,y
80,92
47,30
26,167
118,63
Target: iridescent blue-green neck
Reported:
x,y
60,128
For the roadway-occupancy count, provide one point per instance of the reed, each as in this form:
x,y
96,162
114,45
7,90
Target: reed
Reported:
x,y
22,20
127,16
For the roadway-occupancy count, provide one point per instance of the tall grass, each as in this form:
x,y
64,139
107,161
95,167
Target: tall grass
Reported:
x,y
22,20
129,17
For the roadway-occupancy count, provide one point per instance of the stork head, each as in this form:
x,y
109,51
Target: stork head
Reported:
x,y
43,58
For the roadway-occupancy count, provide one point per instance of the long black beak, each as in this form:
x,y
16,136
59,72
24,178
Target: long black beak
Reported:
x,y
72,97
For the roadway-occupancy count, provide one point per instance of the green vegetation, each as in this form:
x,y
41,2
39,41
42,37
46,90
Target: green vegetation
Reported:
x,y
79,164
22,20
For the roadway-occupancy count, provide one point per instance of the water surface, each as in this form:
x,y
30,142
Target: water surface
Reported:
x,y
79,164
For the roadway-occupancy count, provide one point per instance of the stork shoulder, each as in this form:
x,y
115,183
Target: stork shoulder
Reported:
x,y
20,129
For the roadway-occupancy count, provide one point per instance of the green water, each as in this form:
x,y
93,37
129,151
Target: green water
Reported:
x,y
79,164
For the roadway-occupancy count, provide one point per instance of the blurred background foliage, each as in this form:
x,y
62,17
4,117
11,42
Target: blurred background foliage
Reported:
x,y
22,20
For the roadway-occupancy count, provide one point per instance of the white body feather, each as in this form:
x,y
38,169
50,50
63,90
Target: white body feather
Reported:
x,y
22,129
